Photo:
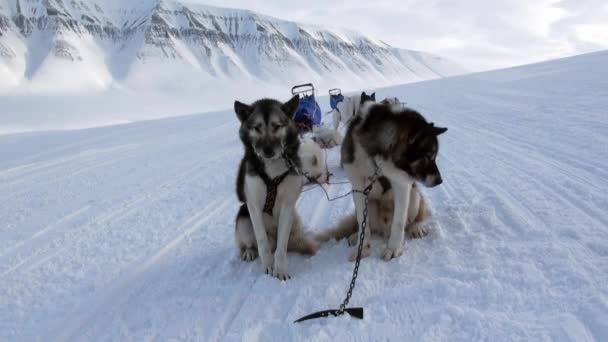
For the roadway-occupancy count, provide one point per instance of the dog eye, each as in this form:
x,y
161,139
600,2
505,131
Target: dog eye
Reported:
x,y
258,128
275,127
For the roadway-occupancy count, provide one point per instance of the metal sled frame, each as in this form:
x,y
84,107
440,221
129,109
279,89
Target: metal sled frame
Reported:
x,y
335,91
303,89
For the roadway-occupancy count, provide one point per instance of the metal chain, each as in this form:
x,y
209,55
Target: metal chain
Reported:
x,y
355,312
353,281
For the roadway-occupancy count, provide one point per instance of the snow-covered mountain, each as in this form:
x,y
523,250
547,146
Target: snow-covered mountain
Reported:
x,y
50,45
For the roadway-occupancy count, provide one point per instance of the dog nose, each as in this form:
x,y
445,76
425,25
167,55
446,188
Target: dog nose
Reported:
x,y
438,180
268,152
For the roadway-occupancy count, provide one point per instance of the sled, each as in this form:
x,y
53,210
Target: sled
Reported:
x,y
308,113
335,97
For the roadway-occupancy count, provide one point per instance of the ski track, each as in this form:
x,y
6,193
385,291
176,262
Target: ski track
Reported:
x,y
125,233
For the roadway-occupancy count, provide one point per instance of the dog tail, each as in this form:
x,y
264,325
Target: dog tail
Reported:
x,y
302,244
299,241
345,228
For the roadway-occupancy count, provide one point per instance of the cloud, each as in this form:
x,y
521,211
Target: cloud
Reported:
x,y
478,34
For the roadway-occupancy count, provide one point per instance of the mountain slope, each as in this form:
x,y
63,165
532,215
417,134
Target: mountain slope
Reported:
x,y
126,232
50,45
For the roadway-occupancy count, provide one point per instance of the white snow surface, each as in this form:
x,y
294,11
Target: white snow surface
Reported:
x,y
125,233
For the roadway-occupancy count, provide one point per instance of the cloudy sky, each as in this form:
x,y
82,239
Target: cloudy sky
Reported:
x,y
478,34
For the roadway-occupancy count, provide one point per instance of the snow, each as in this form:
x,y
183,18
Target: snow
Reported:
x,y
126,232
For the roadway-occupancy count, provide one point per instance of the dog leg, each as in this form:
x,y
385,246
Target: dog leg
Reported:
x,y
280,255
416,214
336,117
261,237
245,238
401,191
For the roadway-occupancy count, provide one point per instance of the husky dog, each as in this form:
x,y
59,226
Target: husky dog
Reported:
x,y
313,161
380,223
326,137
391,100
347,108
267,223
402,146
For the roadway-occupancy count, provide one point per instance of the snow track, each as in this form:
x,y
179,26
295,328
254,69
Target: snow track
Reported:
x,y
126,232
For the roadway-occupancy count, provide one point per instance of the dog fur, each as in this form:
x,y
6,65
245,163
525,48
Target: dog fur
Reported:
x,y
347,109
404,147
380,224
313,161
269,135
326,137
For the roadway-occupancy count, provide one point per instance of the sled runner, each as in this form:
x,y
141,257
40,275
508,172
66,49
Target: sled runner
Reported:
x,y
308,113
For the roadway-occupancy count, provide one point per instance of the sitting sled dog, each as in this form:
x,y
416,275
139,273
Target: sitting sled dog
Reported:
x,y
267,223
402,146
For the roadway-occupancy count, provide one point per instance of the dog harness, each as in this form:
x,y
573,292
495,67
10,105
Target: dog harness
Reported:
x,y
272,186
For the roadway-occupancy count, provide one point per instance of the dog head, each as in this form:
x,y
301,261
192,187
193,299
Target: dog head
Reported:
x,y
367,98
419,156
403,136
267,126
313,161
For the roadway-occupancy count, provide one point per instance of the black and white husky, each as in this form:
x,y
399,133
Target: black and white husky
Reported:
x,y
268,185
401,146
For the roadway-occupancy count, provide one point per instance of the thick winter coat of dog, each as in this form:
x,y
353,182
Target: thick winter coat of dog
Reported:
x,y
326,137
380,222
313,161
267,223
347,109
402,146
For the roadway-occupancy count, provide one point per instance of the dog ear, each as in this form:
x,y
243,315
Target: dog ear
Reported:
x,y
366,98
290,106
242,110
438,130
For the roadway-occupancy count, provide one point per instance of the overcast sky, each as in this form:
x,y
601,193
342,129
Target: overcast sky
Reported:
x,y
478,34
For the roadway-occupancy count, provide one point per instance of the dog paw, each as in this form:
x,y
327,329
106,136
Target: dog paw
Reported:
x,y
281,275
417,231
249,254
353,239
267,262
268,270
280,267
367,251
391,253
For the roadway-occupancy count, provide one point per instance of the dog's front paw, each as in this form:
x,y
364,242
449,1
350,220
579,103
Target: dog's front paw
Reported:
x,y
417,231
280,267
281,275
249,254
391,253
367,251
353,239
267,262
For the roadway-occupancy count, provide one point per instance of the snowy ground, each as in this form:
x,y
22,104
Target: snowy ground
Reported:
x,y
126,232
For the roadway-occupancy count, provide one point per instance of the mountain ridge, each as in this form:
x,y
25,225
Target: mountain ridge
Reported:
x,y
104,44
